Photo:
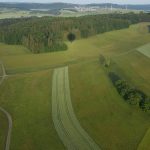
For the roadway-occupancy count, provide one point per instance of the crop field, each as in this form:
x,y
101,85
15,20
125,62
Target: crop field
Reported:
x,y
145,50
113,124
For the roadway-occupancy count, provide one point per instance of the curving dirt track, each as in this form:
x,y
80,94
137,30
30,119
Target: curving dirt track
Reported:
x,y
7,145
67,126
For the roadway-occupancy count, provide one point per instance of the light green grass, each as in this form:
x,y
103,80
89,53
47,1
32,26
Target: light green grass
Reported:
x,y
111,122
110,43
102,112
145,50
145,144
28,99
6,50
3,130
134,67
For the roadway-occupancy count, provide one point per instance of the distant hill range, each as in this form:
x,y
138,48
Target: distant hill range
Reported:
x,y
54,6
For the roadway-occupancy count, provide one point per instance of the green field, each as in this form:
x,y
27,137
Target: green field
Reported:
x,y
69,13
108,44
145,144
111,122
145,50
29,103
16,13
6,50
3,130
102,112
134,67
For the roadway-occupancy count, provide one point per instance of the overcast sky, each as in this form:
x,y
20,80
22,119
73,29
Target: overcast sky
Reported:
x,y
84,1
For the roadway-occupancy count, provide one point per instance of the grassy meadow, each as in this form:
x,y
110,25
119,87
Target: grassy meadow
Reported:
x,y
134,67
11,50
3,130
29,103
145,50
111,122
144,145
102,112
111,43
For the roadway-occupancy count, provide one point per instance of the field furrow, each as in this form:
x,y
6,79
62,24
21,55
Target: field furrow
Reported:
x,y
68,128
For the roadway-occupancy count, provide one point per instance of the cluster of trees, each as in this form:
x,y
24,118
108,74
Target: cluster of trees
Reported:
x,y
49,33
129,93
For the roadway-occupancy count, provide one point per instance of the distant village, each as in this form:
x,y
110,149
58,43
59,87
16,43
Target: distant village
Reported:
x,y
97,8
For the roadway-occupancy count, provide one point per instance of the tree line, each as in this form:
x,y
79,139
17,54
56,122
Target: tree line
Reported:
x,y
48,34
130,94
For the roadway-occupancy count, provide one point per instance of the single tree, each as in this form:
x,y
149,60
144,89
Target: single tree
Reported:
x,y
71,37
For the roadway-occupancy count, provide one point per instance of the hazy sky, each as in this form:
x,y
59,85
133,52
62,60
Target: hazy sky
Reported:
x,y
84,1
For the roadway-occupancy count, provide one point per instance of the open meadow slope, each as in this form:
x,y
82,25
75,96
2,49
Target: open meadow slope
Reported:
x,y
134,67
103,114
29,103
12,50
107,118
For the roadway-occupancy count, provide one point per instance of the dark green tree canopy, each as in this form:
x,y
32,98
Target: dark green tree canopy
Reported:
x,y
71,37
48,34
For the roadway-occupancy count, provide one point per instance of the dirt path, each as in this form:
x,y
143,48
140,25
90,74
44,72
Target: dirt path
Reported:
x,y
68,128
7,145
9,128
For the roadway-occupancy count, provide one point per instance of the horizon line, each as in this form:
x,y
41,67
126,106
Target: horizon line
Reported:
x,y
71,3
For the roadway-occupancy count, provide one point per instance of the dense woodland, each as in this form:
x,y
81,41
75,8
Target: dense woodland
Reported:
x,y
49,33
130,94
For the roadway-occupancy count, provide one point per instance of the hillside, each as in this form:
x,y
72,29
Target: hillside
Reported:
x,y
102,112
48,34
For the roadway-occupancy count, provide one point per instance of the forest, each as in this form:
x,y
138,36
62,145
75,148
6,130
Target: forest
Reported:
x,y
48,34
